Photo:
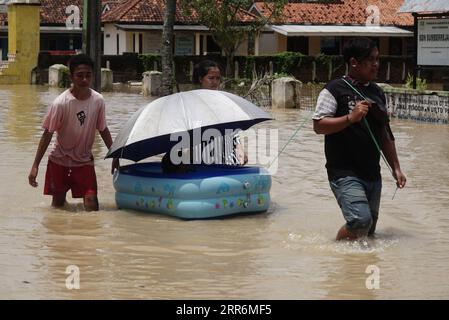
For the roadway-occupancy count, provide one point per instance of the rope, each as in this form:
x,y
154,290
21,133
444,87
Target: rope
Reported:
x,y
372,135
369,127
291,138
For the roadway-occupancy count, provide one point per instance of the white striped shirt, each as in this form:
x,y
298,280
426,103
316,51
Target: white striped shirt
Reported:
x,y
326,105
218,150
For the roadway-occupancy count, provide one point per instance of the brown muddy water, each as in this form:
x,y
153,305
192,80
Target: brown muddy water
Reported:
x,y
287,253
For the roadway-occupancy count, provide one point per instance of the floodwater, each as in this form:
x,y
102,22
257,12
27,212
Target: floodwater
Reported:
x,y
287,253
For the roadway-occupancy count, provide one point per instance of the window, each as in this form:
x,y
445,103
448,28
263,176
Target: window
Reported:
x,y
52,44
118,44
134,42
77,42
4,48
298,44
184,45
330,45
395,45
212,46
140,43
251,44
410,48
376,41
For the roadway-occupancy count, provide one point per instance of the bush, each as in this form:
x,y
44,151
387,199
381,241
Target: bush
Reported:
x,y
149,61
421,84
64,82
287,61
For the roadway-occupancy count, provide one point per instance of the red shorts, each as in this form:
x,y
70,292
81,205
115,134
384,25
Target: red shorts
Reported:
x,y
81,180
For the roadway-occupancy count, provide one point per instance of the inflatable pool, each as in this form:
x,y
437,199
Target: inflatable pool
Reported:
x,y
208,192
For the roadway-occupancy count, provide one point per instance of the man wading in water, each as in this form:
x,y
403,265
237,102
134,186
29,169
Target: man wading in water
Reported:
x,y
351,112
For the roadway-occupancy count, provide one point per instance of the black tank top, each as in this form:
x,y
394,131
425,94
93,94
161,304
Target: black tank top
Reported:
x,y
352,152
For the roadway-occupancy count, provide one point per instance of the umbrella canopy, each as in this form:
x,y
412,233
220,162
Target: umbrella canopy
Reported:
x,y
147,132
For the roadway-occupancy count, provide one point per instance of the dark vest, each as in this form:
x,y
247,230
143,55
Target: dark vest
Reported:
x,y
352,151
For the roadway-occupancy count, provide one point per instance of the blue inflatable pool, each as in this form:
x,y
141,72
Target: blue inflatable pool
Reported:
x,y
210,191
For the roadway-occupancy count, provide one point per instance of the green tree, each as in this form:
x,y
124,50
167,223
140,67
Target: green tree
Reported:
x,y
230,23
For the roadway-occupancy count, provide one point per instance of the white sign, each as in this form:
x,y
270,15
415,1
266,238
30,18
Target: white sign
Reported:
x,y
433,42
184,45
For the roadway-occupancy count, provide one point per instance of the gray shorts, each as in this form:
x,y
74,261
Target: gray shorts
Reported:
x,y
359,201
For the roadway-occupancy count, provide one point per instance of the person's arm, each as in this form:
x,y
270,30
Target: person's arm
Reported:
x,y
389,150
330,125
241,155
43,145
107,139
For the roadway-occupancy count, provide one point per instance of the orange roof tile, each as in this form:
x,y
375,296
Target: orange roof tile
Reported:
x,y
339,12
152,12
343,12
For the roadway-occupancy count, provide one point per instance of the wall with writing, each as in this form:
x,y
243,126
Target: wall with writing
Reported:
x,y
425,107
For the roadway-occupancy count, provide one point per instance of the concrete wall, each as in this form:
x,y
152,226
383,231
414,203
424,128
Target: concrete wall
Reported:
x,y
128,37
110,43
267,44
23,43
314,46
420,106
285,93
152,42
242,50
56,75
281,42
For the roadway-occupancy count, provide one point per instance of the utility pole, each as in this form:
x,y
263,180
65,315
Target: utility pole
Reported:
x,y
92,37
415,35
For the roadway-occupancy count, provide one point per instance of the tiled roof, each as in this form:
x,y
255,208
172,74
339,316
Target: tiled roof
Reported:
x,y
143,11
152,12
343,12
53,12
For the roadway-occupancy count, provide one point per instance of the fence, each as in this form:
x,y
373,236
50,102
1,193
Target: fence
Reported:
x,y
130,66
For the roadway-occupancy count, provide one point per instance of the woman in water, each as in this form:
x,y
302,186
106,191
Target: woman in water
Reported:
x,y
208,75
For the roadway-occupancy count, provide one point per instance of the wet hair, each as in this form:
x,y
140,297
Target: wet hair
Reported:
x,y
78,60
201,69
358,48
